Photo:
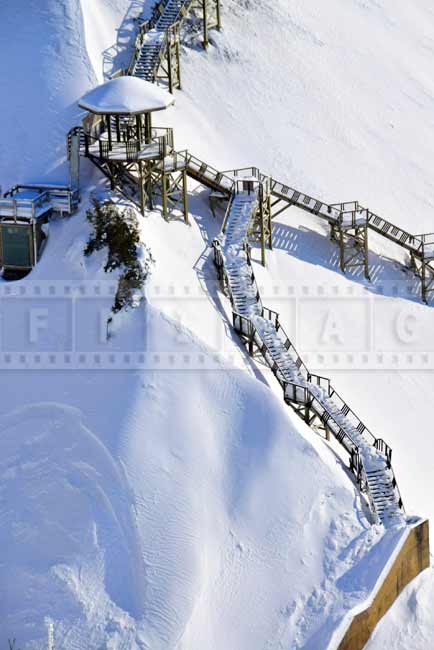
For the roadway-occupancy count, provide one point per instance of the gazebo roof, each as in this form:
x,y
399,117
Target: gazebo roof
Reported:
x,y
126,96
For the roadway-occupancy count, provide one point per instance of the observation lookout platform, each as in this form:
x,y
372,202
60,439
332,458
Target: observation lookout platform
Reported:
x,y
118,136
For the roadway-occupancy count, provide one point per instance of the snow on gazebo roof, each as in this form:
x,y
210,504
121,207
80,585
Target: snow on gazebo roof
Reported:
x,y
126,96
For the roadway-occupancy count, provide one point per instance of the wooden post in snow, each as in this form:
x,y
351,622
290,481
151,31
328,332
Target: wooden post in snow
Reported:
x,y
205,23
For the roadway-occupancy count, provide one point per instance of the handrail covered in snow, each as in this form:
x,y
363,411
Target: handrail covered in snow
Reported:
x,y
385,228
335,211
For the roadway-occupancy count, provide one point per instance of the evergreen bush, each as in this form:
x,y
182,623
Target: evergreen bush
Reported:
x,y
118,231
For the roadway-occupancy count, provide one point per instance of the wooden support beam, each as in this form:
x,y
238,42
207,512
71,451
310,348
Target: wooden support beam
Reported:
x,y
109,131
149,185
139,128
262,225
270,223
185,196
178,63
142,188
164,196
423,281
285,207
219,24
112,173
366,252
342,248
205,23
148,128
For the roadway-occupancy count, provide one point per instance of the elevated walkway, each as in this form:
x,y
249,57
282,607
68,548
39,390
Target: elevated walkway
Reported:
x,y
349,222
209,176
420,247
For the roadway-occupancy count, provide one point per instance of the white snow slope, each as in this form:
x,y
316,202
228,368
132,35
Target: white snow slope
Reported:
x,y
165,508
52,52
177,508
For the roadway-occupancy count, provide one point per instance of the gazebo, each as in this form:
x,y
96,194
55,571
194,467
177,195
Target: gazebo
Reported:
x,y
119,137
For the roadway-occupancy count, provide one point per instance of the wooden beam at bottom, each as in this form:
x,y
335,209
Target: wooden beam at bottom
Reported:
x,y
412,559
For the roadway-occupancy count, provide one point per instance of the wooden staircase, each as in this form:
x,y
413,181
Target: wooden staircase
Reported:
x,y
154,37
157,55
312,397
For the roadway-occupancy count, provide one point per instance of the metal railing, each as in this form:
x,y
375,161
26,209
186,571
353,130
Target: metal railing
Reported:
x,y
49,197
129,149
207,174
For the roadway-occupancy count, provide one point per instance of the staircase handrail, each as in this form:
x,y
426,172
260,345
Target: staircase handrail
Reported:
x,y
254,172
346,410
362,480
343,437
427,238
218,177
399,235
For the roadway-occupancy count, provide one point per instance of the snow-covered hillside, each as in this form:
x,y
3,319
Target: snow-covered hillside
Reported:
x,y
162,508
